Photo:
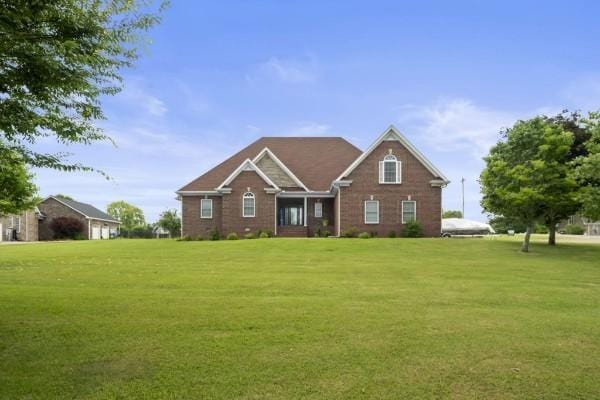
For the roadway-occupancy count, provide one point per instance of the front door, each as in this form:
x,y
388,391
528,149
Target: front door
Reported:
x,y
291,213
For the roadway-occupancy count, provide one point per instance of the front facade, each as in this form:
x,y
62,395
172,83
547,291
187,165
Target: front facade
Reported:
x,y
316,186
20,227
97,224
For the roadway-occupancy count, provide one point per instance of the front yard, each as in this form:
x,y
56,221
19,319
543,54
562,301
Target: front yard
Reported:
x,y
293,318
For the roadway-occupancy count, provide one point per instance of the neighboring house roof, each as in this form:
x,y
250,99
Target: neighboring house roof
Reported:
x,y
87,210
314,161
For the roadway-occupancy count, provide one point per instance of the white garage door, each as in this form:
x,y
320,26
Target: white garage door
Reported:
x,y
105,232
95,232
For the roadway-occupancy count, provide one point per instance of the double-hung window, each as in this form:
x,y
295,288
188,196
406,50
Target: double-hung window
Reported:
x,y
206,208
390,170
409,211
318,210
248,204
371,212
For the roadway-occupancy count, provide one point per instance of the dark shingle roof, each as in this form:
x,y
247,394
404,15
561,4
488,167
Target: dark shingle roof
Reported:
x,y
316,161
86,209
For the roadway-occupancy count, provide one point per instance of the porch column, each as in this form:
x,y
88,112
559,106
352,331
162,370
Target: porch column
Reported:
x,y
305,212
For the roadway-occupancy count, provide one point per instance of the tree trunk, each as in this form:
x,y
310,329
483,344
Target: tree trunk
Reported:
x,y
552,234
525,246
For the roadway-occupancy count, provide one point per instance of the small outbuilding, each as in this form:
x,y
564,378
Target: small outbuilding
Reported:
x,y
97,223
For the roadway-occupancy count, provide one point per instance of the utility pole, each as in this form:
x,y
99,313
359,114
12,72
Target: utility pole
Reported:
x,y
463,196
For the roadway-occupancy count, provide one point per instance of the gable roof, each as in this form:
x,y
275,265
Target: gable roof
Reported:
x,y
315,161
268,153
87,210
391,133
247,165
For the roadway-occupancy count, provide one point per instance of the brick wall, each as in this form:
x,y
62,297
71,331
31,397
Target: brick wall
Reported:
x,y
54,209
415,183
192,224
232,220
28,230
316,223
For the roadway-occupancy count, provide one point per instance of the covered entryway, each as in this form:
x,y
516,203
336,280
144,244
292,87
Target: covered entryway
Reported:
x,y
291,217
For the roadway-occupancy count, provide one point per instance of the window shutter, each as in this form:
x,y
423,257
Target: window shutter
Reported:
x,y
380,171
398,171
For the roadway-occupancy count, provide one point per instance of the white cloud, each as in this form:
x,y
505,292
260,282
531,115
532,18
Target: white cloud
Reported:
x,y
137,97
458,124
288,71
252,128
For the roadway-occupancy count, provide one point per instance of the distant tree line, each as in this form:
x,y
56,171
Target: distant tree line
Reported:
x,y
133,222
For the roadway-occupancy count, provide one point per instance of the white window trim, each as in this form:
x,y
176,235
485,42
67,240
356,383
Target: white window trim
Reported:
x,y
211,208
318,214
415,209
249,195
365,211
382,170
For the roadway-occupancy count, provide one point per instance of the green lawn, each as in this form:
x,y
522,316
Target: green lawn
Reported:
x,y
284,319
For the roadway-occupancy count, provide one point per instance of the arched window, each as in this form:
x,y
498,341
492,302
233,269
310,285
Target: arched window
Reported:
x,y
248,203
389,170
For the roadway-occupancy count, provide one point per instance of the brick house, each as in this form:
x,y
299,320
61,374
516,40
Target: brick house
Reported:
x,y
20,227
299,186
97,224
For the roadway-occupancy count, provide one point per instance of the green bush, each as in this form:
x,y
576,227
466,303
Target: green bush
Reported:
x,y
539,228
364,235
325,233
249,235
264,235
412,230
186,238
575,229
392,234
350,233
269,232
199,238
214,234
232,236
374,234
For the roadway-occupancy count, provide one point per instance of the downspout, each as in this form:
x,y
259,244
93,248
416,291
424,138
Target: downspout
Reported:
x,y
275,230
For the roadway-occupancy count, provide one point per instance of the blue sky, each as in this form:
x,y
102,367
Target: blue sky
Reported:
x,y
449,75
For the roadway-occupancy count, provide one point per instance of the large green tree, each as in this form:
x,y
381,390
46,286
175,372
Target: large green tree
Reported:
x,y
525,172
17,191
588,169
131,217
170,221
57,59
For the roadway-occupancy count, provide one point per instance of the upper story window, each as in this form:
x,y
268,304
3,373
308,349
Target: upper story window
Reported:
x,y
206,208
371,212
409,211
248,205
318,210
390,170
